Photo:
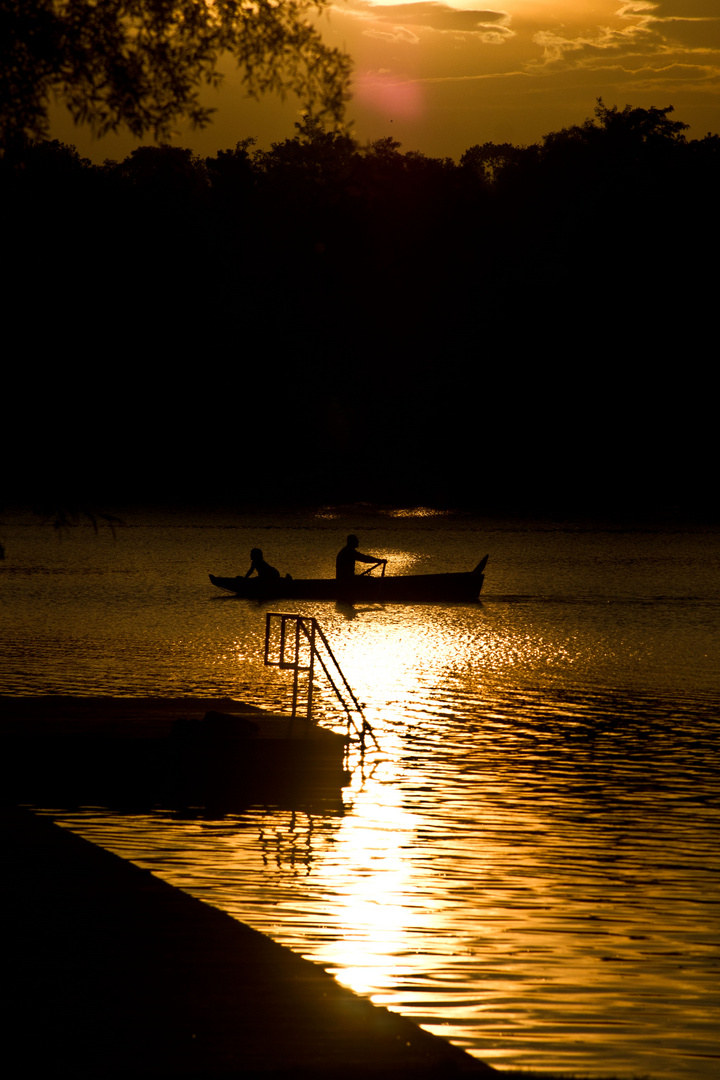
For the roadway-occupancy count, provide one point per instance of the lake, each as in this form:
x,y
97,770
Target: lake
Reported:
x,y
528,863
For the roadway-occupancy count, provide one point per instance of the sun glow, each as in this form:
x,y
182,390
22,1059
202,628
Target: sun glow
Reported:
x,y
378,910
390,95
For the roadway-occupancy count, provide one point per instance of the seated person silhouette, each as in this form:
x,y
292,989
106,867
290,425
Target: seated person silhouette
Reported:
x,y
261,568
348,556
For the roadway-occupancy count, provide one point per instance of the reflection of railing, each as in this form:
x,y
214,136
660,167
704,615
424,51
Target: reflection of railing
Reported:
x,y
301,643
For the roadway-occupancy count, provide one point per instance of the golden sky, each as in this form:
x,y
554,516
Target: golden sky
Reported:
x,y
440,77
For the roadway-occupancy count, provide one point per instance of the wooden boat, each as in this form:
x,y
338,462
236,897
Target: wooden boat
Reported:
x,y
408,589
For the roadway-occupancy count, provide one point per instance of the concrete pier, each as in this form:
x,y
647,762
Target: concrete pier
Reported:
x,y
129,752
109,972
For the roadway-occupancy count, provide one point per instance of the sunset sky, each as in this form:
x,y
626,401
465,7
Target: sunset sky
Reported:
x,y
439,77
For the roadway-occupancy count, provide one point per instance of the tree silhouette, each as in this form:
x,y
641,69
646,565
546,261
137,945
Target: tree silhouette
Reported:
x,y
324,304
616,136
142,63
492,161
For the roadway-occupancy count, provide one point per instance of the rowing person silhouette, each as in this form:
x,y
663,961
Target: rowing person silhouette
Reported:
x,y
260,567
348,556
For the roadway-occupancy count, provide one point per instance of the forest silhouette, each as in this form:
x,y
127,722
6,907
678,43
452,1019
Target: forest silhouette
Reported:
x,y
522,328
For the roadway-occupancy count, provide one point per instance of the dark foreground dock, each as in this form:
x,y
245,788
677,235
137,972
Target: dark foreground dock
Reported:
x,y
109,972
133,752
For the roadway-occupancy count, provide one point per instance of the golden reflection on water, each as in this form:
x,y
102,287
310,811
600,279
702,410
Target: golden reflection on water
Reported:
x,y
436,652
526,865
525,881
370,908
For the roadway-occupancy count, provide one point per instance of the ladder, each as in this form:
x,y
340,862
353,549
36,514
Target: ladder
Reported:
x,y
300,644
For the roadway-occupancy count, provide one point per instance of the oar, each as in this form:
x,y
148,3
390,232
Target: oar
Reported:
x,y
380,562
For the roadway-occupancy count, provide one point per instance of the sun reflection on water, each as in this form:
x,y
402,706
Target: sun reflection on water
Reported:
x,y
448,656
525,866
372,908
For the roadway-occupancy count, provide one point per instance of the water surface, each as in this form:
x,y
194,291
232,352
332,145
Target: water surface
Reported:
x,y
528,865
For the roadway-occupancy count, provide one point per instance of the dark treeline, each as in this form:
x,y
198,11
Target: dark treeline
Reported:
x,y
347,321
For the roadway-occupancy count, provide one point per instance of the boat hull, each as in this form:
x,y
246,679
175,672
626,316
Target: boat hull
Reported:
x,y
410,589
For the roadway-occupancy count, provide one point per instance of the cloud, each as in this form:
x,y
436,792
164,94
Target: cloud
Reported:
x,y
557,59
489,26
646,34
398,33
557,49
677,9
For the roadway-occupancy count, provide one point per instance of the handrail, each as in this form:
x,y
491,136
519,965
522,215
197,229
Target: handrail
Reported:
x,y
308,631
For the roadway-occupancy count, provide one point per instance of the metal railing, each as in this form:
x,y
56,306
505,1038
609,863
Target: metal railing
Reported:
x,y
301,643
